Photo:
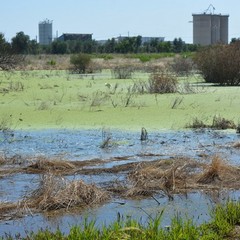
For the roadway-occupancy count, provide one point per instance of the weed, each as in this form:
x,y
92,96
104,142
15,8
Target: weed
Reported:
x,y
162,82
222,123
106,138
221,226
43,106
122,72
98,98
51,63
177,102
218,123
238,128
196,123
16,86
6,123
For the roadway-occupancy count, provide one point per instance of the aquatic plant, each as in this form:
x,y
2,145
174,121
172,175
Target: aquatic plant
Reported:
x,y
223,225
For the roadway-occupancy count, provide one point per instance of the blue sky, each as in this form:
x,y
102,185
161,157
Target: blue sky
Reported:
x,y
111,18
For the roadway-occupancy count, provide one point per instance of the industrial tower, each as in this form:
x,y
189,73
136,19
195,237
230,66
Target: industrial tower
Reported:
x,y
45,32
210,28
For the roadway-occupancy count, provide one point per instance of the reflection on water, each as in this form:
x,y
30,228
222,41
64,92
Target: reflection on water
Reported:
x,y
85,145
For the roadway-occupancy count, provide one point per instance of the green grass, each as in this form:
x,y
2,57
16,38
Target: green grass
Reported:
x,y
56,99
222,226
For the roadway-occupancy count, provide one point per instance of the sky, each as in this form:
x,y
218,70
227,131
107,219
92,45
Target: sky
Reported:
x,y
112,18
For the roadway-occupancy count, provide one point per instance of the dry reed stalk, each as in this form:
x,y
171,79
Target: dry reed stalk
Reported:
x,y
9,209
212,171
56,192
236,145
2,160
45,165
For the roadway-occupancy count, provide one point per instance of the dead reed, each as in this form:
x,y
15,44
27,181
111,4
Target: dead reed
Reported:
x,y
43,164
55,192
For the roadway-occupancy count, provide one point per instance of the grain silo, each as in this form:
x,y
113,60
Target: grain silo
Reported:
x,y
45,32
209,28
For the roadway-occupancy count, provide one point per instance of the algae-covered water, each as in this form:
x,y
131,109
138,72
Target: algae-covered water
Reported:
x,y
81,145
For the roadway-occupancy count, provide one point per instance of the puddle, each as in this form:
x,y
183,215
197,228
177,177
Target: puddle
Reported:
x,y
124,147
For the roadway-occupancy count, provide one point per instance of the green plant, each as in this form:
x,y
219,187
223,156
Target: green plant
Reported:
x,y
196,123
80,63
51,63
177,102
122,72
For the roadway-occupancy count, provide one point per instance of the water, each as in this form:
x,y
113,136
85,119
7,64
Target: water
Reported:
x,y
85,145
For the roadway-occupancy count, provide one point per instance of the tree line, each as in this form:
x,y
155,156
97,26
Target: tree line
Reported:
x,y
22,44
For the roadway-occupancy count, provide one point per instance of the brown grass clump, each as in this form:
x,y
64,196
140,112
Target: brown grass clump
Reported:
x,y
212,172
55,193
162,175
182,175
8,209
45,165
222,123
2,160
236,145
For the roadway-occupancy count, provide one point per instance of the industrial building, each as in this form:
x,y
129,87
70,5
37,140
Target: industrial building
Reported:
x,y
45,32
209,28
75,37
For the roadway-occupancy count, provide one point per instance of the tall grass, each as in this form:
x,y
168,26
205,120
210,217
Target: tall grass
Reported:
x,y
224,219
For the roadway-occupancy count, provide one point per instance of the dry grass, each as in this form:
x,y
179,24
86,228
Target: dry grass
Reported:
x,y
2,160
9,210
236,145
45,165
144,179
183,175
55,193
212,171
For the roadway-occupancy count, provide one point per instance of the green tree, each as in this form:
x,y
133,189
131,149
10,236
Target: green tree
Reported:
x,y
20,43
59,47
33,47
8,59
178,45
80,62
220,64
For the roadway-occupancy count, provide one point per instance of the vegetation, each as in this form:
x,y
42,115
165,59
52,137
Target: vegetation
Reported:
x,y
220,64
8,56
80,63
218,122
162,82
22,44
223,225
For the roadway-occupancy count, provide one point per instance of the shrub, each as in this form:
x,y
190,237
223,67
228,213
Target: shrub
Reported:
x,y
220,64
122,72
80,63
222,123
162,82
182,66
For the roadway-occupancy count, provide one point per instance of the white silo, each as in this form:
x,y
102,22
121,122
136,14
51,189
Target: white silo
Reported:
x,y
45,32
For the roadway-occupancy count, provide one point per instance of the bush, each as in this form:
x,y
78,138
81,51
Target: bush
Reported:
x,y
220,64
80,63
123,72
162,82
182,66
